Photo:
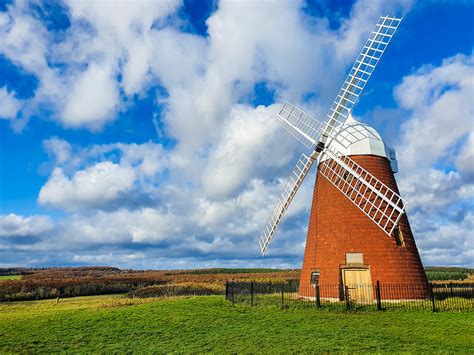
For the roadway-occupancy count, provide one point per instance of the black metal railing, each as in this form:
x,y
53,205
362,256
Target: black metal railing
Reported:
x,y
377,296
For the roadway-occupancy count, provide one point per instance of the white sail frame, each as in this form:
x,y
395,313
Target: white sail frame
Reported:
x,y
379,202
289,191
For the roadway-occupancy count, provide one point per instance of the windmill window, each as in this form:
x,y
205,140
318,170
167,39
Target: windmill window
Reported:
x,y
347,177
398,236
314,278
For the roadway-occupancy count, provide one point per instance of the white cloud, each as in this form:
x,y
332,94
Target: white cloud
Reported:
x,y
108,258
97,186
13,225
432,189
248,146
92,100
9,105
87,178
146,225
439,100
78,72
24,39
436,159
465,159
449,243
148,158
59,149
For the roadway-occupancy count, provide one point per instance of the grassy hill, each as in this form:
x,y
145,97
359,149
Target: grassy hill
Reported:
x,y
209,323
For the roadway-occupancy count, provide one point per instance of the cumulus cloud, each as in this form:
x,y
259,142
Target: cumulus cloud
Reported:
x,y
449,243
87,178
439,100
465,159
436,158
13,225
92,100
248,145
94,187
9,104
59,149
24,38
85,63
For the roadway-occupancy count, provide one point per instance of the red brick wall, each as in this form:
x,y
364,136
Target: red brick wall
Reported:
x,y
338,227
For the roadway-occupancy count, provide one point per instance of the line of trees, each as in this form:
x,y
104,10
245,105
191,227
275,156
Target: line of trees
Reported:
x,y
38,284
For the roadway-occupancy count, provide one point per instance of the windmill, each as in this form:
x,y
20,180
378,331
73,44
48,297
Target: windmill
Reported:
x,y
358,229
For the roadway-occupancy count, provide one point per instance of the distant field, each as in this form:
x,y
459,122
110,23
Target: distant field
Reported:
x,y
210,324
36,284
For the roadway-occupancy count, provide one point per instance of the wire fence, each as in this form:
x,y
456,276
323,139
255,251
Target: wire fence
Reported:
x,y
378,296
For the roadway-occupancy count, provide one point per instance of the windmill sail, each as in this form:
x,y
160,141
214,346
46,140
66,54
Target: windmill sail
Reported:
x,y
299,124
311,131
359,74
379,202
291,187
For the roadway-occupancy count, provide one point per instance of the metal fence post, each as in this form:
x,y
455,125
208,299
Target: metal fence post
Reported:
x,y
251,293
318,299
282,296
227,290
377,295
346,296
233,293
432,297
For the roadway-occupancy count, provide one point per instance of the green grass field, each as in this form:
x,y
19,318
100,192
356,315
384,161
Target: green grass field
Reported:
x,y
209,323
10,277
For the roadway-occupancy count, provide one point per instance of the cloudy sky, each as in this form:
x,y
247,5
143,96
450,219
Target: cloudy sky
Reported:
x,y
141,134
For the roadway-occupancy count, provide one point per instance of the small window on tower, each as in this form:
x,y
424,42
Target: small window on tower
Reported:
x,y
398,235
347,177
314,280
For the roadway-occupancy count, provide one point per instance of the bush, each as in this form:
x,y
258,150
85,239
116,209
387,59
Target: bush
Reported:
x,y
180,289
446,275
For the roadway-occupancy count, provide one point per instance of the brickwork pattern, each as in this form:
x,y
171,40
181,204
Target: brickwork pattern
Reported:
x,y
337,227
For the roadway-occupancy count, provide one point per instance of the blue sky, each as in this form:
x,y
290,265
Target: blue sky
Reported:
x,y
146,138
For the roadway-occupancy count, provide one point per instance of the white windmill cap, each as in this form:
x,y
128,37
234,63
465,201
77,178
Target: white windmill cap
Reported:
x,y
357,138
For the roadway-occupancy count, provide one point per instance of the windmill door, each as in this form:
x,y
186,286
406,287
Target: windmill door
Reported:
x,y
359,284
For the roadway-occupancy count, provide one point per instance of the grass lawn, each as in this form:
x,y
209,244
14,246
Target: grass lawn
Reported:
x,y
209,323
10,277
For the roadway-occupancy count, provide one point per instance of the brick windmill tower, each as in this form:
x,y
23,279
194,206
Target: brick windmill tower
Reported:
x,y
358,230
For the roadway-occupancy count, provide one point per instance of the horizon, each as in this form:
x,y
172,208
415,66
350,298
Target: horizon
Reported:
x,y
148,141
213,268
